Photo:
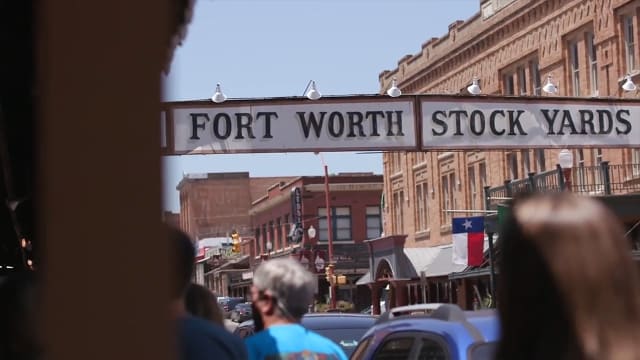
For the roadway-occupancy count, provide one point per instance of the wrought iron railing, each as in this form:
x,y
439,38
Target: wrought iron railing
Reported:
x,y
604,179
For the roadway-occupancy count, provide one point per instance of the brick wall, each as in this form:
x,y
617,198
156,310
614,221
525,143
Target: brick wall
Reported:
x,y
503,46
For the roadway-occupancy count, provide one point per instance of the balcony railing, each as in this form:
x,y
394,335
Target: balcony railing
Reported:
x,y
604,179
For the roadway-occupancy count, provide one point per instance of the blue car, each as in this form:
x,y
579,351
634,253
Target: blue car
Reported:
x,y
431,332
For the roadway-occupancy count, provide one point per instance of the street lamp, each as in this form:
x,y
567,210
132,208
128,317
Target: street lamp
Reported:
x,y
330,266
218,97
394,91
628,84
565,160
550,87
474,88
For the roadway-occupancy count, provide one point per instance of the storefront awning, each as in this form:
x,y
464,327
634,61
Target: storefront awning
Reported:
x,y
442,264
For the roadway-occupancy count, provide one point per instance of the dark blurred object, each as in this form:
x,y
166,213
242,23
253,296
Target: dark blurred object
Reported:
x,y
201,302
19,339
17,133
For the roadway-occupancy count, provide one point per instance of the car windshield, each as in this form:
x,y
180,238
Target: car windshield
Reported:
x,y
484,351
243,306
347,338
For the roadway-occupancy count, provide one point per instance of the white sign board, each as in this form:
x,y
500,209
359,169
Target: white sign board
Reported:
x,y
357,124
490,123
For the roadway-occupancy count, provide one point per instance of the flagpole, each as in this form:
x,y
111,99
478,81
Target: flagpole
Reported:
x,y
472,211
492,273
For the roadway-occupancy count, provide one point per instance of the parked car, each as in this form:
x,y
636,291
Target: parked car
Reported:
x,y
431,331
344,329
242,312
228,304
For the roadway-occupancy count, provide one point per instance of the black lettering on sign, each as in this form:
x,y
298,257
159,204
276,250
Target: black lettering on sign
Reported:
x,y
550,120
586,120
623,121
492,122
457,114
476,122
437,119
397,122
514,122
222,119
355,122
311,121
605,120
336,124
374,121
244,125
267,122
195,125
567,122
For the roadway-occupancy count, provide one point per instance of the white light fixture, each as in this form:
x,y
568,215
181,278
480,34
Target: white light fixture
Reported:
x,y
628,84
474,88
311,232
218,97
394,91
565,159
313,93
549,87
269,246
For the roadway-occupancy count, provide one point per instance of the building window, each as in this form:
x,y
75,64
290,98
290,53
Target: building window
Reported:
x,y
593,64
445,200
278,239
526,163
482,169
535,78
635,161
629,43
508,85
540,163
341,224
472,188
374,222
522,80
581,171
512,165
575,67
398,204
421,206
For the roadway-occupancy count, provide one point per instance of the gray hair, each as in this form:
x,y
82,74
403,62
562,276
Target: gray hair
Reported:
x,y
289,282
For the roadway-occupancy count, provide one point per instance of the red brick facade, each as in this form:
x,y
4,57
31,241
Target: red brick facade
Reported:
x,y
587,46
215,204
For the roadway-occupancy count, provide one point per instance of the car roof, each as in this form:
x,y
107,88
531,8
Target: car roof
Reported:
x,y
318,321
459,329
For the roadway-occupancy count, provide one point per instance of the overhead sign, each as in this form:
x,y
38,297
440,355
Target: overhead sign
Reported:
x,y
302,125
413,123
489,123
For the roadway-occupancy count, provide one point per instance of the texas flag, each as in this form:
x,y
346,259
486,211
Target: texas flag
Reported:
x,y
468,240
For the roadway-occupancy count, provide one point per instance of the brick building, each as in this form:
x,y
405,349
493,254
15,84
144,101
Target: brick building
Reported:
x,y
513,47
260,209
355,215
215,204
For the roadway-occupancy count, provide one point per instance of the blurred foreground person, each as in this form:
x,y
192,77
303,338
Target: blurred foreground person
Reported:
x,y
281,294
201,302
19,338
197,338
569,288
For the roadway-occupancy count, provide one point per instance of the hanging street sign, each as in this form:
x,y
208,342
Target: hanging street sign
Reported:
x,y
501,124
408,122
301,125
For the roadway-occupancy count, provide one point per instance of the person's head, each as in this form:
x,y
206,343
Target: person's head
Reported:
x,y
568,287
201,302
282,291
183,261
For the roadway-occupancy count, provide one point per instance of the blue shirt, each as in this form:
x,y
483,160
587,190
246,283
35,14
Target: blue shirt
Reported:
x,y
201,339
292,342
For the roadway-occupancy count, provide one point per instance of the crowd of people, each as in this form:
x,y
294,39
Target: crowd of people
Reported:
x,y
568,289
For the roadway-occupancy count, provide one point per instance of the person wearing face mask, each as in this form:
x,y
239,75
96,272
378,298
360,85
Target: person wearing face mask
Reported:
x,y
281,294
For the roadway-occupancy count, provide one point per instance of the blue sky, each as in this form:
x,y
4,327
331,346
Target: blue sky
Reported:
x,y
270,48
